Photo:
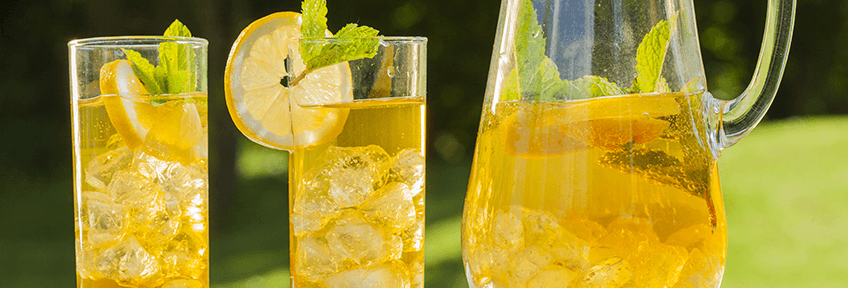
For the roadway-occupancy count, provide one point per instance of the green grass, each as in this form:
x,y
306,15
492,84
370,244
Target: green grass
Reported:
x,y
786,192
784,188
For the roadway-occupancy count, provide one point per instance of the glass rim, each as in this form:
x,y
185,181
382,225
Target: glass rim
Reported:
x,y
406,39
106,41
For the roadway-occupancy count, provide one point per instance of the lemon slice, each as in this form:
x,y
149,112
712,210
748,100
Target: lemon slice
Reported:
x,y
611,122
547,130
265,110
131,118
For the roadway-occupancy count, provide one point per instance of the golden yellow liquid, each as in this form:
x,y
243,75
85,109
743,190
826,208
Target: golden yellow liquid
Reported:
x,y
604,192
357,203
141,213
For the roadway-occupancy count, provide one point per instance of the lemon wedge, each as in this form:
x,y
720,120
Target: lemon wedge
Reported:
x,y
131,118
264,109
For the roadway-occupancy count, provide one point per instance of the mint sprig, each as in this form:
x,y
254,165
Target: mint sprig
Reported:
x,y
318,55
174,73
536,75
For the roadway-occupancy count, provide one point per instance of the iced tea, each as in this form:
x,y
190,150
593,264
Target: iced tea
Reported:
x,y
357,202
615,191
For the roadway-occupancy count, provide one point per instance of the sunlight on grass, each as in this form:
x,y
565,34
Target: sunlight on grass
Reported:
x,y
274,279
255,160
785,191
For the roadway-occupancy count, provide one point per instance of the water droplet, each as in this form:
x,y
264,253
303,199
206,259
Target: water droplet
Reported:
x,y
390,71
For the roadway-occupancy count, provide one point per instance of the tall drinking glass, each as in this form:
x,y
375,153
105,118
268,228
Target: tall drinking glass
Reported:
x,y
356,202
140,163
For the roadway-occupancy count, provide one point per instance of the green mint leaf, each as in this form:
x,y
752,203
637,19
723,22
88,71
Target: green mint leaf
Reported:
x,y
161,76
176,60
175,73
317,55
529,47
144,71
179,81
364,45
592,86
649,57
314,24
546,84
177,29
537,75
314,13
355,31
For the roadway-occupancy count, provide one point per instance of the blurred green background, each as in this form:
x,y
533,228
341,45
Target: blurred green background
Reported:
x,y
784,186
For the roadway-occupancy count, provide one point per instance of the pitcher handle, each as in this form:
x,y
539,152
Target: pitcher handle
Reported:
x,y
737,117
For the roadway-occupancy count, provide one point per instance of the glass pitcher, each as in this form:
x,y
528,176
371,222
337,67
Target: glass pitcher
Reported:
x,y
595,163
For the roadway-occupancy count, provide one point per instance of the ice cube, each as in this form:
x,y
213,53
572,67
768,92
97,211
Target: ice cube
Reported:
x,y
507,229
393,247
185,255
154,223
528,262
390,275
315,260
586,229
106,220
417,271
172,203
83,213
189,185
183,283
99,171
656,264
408,167
541,228
347,279
391,206
183,180
625,234
129,264
150,167
700,271
195,209
492,283
611,273
413,237
356,239
552,276
488,261
312,208
350,187
572,254
86,259
131,189
353,172
380,161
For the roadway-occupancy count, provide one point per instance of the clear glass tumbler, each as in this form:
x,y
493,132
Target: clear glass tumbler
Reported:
x,y
140,162
357,200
